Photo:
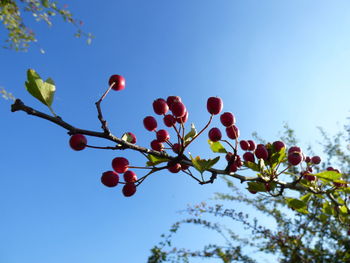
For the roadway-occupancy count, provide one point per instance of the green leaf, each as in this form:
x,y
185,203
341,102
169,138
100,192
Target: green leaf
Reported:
x,y
202,164
278,157
42,90
326,208
252,166
295,203
306,198
193,132
217,147
154,160
256,187
329,175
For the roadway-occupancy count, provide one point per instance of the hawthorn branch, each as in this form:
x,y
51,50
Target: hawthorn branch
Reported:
x,y
18,105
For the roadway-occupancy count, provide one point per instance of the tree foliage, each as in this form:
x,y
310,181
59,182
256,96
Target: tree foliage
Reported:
x,y
19,35
316,236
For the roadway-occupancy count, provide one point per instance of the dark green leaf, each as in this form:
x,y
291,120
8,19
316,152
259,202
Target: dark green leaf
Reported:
x,y
217,147
252,166
256,187
295,203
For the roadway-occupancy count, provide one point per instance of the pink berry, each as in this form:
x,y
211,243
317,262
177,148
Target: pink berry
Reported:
x,y
162,135
278,145
130,177
261,152
120,164
174,167
117,81
244,145
252,145
169,120
160,106
183,119
316,159
214,134
110,178
150,123
295,158
232,132
78,142
157,146
214,105
249,157
227,119
129,189
178,109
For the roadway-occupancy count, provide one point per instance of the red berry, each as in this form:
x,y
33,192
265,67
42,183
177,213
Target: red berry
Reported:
x,y
150,123
309,176
117,81
174,167
267,187
129,189
171,99
78,142
227,119
214,134
249,157
278,145
252,191
294,158
110,178
130,177
261,152
233,168
131,137
316,159
307,159
160,106
178,109
157,146
169,120
232,132
162,135
229,156
252,145
238,161
176,147
294,149
184,167
120,164
244,145
214,105
183,119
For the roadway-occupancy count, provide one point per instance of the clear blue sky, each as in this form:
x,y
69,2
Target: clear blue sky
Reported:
x,y
271,61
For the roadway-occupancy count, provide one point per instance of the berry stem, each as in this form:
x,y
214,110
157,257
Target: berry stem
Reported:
x,y
99,111
199,133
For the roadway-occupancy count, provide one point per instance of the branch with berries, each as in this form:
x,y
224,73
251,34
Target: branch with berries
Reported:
x,y
270,162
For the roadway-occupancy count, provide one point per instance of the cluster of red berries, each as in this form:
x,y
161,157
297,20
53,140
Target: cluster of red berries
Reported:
x,y
173,112
78,142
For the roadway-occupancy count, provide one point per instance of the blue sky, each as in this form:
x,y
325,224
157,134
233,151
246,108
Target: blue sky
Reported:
x,y
271,62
